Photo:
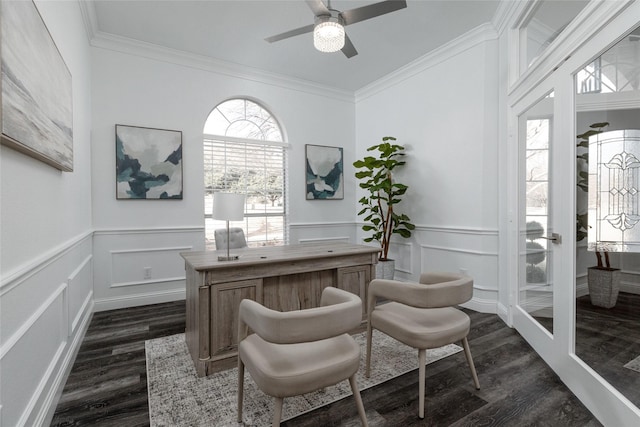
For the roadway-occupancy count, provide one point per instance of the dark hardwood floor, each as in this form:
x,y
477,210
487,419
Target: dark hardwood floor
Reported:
x,y
107,385
607,339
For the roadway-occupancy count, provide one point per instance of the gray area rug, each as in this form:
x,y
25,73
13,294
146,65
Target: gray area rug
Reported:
x,y
634,365
178,397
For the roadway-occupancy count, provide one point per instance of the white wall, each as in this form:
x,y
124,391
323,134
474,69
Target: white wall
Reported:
x,y
446,116
168,93
45,248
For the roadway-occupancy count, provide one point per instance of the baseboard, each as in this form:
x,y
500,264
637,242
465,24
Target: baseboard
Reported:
x,y
482,305
503,313
629,287
582,289
48,408
135,300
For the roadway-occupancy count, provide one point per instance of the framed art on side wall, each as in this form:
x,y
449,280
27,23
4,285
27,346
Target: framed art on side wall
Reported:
x,y
37,103
325,177
148,163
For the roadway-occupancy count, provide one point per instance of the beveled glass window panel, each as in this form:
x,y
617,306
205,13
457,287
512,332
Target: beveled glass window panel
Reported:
x,y
614,212
535,284
545,23
617,70
242,118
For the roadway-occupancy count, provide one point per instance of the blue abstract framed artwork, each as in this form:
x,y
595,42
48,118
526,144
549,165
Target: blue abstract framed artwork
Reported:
x,y
325,177
148,163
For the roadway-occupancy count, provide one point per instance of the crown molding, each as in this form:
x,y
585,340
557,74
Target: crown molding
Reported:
x,y
89,17
155,52
480,34
504,14
102,40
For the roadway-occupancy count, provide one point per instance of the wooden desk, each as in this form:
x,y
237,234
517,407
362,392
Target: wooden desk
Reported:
x,y
283,278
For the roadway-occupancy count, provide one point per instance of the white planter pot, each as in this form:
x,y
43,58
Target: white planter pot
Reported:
x,y
604,285
385,269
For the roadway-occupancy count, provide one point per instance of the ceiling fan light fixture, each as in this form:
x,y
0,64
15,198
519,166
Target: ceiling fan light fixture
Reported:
x,y
328,35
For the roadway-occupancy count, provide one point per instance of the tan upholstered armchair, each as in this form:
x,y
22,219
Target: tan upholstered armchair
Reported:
x,y
422,315
296,352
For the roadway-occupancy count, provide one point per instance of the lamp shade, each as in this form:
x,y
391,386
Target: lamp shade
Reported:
x,y
228,206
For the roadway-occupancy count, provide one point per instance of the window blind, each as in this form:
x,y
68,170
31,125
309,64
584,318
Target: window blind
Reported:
x,y
254,168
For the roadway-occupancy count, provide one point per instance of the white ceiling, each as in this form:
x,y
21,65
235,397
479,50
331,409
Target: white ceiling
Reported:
x,y
234,31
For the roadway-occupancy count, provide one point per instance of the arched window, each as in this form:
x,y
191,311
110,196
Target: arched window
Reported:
x,y
244,152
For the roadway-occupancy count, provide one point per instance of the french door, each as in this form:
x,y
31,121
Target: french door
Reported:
x,y
542,217
542,138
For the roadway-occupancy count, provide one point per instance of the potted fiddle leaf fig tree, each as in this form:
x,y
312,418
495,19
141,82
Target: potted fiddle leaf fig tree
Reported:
x,y
379,205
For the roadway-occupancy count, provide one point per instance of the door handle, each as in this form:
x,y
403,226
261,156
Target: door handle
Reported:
x,y
555,238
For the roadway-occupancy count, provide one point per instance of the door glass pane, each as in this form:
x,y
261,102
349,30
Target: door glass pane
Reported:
x,y
607,205
535,278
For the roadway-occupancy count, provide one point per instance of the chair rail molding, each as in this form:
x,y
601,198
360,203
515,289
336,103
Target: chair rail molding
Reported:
x,y
104,40
323,224
148,230
24,272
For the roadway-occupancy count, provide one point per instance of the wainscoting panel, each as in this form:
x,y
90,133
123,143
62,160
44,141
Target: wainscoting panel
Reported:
x,y
77,300
145,266
401,252
473,251
135,267
322,232
43,309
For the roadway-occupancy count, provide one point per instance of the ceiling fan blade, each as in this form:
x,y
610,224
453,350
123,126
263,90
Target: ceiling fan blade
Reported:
x,y
348,49
291,33
371,11
318,7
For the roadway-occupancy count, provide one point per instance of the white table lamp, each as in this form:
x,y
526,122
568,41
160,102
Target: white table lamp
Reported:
x,y
228,207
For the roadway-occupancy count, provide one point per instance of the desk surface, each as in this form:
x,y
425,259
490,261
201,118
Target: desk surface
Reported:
x,y
208,260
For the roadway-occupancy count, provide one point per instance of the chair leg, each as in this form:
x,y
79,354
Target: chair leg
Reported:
x,y
422,359
367,371
467,352
277,411
240,388
358,398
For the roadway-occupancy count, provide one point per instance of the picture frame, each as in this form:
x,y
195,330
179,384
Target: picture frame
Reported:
x,y
148,163
36,88
324,172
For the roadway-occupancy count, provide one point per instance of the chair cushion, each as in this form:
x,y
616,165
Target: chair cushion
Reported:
x,y
283,370
421,328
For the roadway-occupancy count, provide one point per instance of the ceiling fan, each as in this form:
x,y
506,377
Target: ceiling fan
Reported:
x,y
328,28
